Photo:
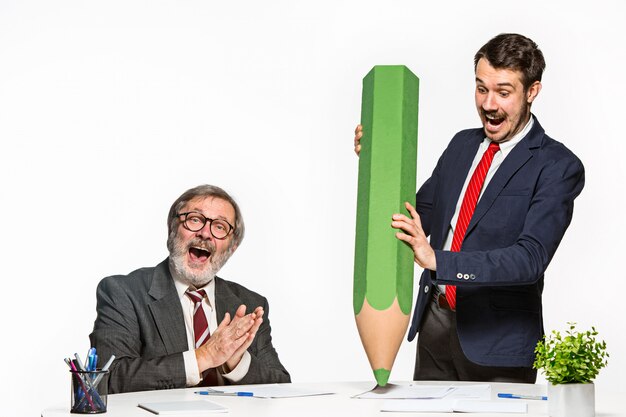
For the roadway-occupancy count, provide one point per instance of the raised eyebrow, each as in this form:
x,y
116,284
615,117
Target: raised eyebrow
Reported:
x,y
479,81
208,217
506,85
218,218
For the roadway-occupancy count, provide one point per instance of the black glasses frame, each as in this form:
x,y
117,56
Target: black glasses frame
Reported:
x,y
206,219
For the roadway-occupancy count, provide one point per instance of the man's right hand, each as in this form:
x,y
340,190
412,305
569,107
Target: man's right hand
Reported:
x,y
229,337
358,133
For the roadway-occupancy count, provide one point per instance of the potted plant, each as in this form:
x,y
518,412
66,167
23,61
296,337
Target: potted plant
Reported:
x,y
570,363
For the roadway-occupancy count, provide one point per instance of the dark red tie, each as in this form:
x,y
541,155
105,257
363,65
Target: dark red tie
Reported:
x,y
467,209
201,332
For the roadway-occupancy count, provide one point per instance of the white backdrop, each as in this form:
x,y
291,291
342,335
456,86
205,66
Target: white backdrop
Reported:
x,y
109,110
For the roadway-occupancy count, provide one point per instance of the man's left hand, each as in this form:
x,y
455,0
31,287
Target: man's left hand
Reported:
x,y
231,339
413,235
257,315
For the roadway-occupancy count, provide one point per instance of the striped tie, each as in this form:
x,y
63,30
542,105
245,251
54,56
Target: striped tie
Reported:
x,y
201,332
467,209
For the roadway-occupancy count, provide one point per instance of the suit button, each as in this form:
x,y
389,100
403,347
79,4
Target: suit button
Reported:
x,y
466,276
426,290
459,275
472,276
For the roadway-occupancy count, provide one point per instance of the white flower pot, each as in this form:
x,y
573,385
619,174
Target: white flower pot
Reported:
x,y
571,400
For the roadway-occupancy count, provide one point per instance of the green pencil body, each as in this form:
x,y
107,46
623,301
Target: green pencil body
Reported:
x,y
383,266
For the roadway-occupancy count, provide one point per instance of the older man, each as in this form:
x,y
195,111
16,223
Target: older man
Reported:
x,y
161,323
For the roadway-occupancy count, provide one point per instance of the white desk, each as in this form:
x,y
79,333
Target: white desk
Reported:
x,y
339,404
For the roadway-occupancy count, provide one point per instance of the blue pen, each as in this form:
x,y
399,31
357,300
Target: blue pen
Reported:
x,y
231,394
92,358
88,359
522,397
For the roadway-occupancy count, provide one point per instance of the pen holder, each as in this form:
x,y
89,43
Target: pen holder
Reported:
x,y
89,392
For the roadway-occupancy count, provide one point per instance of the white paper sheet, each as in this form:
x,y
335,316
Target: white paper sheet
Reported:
x,y
274,391
416,406
474,391
170,408
448,405
474,406
393,391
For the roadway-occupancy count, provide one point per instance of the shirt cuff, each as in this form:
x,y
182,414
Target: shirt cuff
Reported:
x,y
240,370
192,372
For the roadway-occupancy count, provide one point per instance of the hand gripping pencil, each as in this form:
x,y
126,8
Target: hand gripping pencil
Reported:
x,y
383,265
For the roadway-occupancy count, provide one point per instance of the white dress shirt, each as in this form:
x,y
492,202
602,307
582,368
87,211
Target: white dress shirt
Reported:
x,y
505,149
191,365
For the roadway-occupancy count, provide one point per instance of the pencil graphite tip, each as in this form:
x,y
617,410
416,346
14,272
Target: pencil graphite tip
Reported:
x,y
382,376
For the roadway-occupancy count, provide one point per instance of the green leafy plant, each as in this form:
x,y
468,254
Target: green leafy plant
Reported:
x,y
575,357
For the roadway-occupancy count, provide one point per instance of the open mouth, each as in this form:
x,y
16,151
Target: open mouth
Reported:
x,y
198,254
494,120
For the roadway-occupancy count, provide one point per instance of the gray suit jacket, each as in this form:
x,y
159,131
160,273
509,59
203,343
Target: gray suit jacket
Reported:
x,y
140,320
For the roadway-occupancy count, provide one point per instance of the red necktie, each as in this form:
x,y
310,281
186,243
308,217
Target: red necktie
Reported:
x,y
201,332
467,209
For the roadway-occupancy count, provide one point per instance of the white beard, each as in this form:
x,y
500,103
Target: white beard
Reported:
x,y
192,276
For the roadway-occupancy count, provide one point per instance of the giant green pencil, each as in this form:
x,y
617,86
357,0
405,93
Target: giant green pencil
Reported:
x,y
383,265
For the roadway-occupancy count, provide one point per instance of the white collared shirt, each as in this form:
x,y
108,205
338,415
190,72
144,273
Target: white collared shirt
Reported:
x,y
191,364
505,149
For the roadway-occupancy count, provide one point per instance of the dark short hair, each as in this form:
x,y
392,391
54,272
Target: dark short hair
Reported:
x,y
514,52
203,191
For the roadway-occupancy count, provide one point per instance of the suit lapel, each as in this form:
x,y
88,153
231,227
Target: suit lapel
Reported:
x,y
225,300
166,310
518,156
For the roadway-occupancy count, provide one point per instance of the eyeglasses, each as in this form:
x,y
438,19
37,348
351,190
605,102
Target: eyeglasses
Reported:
x,y
195,221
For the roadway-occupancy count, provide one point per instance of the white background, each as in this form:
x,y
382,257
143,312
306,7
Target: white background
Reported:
x,y
109,110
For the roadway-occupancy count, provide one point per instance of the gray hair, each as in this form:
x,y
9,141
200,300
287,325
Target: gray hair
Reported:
x,y
203,191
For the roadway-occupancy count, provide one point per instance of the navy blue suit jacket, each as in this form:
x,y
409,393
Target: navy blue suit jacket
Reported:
x,y
514,232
